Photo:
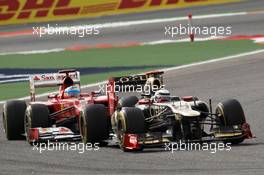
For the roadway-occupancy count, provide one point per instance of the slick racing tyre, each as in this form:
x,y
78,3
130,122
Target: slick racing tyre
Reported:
x,y
230,112
37,115
13,119
129,101
94,125
130,121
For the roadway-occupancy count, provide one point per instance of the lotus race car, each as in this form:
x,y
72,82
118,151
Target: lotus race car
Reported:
x,y
156,117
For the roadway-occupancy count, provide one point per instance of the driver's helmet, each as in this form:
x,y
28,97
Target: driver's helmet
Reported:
x,y
72,91
162,95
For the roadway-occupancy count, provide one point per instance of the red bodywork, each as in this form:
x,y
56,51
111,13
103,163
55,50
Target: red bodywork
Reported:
x,y
57,104
63,108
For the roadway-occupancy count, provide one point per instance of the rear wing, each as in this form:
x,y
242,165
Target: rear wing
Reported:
x,y
133,83
50,80
137,80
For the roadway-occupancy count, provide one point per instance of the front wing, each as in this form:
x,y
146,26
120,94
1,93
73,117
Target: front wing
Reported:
x,y
52,134
135,141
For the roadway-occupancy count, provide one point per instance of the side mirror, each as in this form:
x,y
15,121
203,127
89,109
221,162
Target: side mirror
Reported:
x,y
53,96
175,98
98,92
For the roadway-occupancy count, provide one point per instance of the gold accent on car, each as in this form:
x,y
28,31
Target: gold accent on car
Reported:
x,y
227,134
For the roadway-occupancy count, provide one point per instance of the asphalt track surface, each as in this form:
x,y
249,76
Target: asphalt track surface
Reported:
x,y
240,78
249,24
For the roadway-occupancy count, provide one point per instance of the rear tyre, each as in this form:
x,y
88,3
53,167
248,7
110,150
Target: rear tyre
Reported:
x,y
13,119
230,112
130,121
37,115
129,101
94,124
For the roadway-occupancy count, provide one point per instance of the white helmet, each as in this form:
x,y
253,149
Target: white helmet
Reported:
x,y
162,95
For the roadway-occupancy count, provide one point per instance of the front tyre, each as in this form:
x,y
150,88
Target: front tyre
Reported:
x,y
230,112
13,119
37,115
131,120
93,124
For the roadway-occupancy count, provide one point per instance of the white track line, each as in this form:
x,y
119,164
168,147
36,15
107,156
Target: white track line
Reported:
x,y
125,24
14,80
256,40
2,76
47,93
144,43
32,52
183,40
165,70
259,40
152,21
214,60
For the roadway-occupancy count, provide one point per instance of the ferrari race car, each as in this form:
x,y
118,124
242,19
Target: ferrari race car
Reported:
x,y
132,123
68,115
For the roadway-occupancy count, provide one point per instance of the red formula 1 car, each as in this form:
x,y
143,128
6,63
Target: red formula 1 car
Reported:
x,y
68,115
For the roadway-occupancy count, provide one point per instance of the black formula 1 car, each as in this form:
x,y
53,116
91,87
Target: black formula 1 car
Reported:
x,y
159,117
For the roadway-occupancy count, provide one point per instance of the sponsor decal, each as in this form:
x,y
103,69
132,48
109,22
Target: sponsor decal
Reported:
x,y
140,3
54,76
35,8
133,78
29,11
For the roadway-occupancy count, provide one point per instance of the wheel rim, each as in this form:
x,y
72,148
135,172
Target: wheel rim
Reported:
x,y
27,127
5,119
27,124
4,122
83,130
120,130
220,115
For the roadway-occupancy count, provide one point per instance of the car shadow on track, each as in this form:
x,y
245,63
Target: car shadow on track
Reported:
x,y
156,149
248,144
149,149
